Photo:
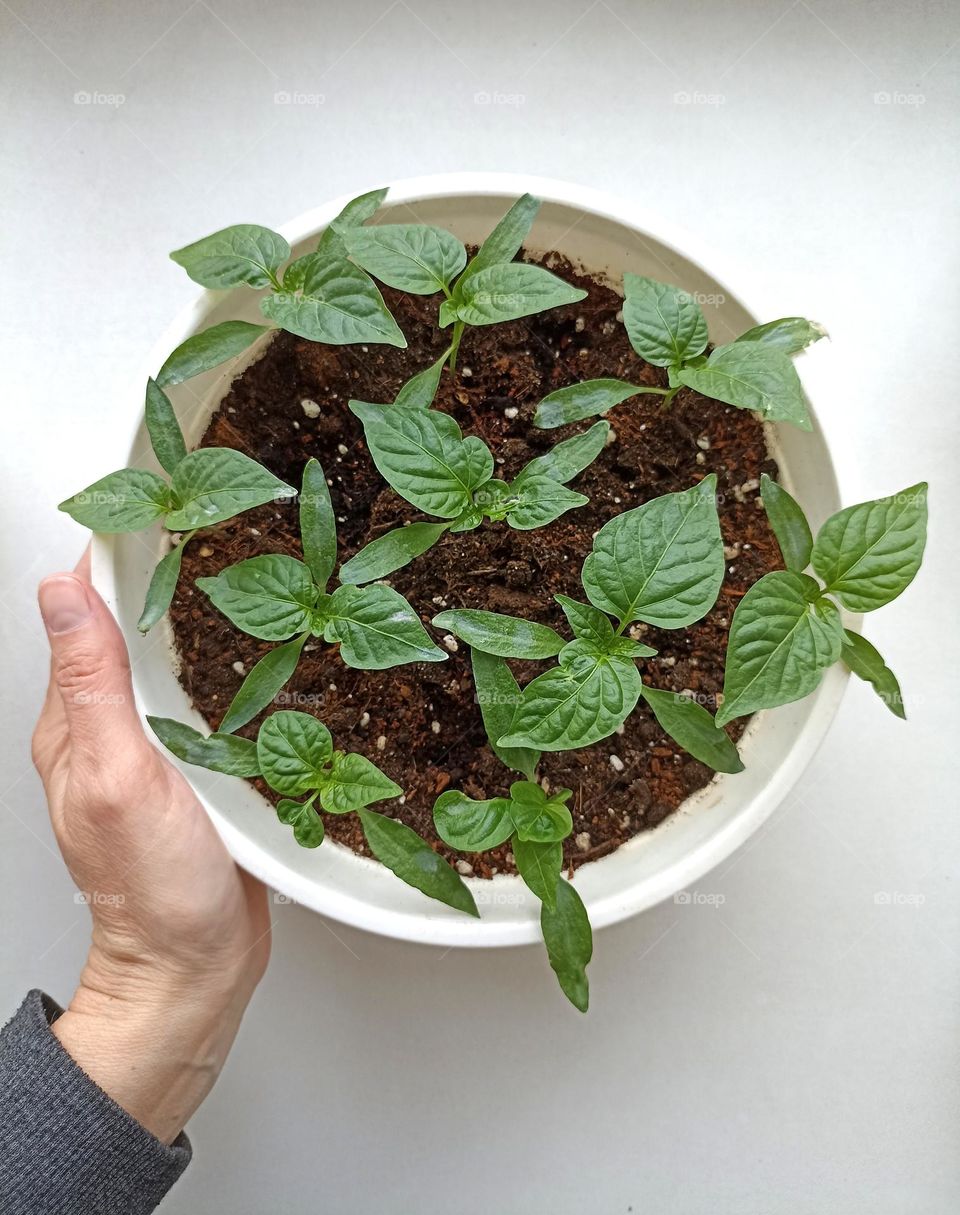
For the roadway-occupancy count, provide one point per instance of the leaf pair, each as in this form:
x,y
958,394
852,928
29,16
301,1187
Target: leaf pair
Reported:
x,y
294,754
279,598
425,458
667,328
322,296
425,260
786,630
206,486
661,563
536,824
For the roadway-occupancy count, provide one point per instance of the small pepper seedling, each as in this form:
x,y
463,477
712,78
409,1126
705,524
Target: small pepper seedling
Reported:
x,y
322,296
294,754
536,824
491,288
667,328
206,486
787,630
278,598
660,563
425,458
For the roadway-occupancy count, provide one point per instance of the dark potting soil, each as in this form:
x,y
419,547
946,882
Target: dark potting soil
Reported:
x,y
420,723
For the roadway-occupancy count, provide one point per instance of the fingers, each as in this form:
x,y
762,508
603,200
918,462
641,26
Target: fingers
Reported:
x,y
90,668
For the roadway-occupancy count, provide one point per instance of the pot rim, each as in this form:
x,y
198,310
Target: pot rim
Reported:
x,y
463,931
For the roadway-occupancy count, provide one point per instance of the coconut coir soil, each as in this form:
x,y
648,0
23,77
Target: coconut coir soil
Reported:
x,y
421,723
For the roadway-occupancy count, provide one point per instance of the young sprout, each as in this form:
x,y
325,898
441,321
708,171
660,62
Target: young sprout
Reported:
x,y
294,754
491,288
787,630
426,459
667,328
536,824
278,598
661,563
322,296
206,486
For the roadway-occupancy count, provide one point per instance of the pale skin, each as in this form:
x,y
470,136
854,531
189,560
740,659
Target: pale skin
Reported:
x,y
180,935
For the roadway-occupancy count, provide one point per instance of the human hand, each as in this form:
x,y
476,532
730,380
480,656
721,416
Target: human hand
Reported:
x,y
181,936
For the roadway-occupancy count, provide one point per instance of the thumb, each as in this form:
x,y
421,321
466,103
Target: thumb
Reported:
x,y
90,667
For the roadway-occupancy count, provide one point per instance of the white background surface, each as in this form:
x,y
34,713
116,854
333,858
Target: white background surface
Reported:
x,y
793,1049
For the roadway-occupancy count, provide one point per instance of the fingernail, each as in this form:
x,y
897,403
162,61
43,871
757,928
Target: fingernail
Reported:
x,y
63,603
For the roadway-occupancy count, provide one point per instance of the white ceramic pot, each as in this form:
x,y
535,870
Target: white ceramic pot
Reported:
x,y
607,235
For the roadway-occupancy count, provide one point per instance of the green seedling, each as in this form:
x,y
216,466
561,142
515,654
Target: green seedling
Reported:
x,y
667,328
206,486
278,598
294,754
787,629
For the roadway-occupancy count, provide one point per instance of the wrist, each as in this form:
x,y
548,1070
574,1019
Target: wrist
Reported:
x,y
154,1045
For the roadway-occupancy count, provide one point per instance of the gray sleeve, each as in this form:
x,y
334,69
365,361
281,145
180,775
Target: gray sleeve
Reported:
x,y
65,1147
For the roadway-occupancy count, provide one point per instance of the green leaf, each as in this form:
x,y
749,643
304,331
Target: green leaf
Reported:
x,y
540,500
789,524
318,525
166,437
661,562
509,291
163,583
469,825
123,501
303,818
539,819
390,552
262,683
504,242
208,349
782,638
215,483
354,782
244,253
218,752
864,660
356,212
752,375
269,597
868,554
694,729
791,334
447,314
424,456
420,390
588,622
664,324
294,750
584,400
539,865
566,460
505,636
575,705
498,695
377,629
405,854
332,302
569,941
411,257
